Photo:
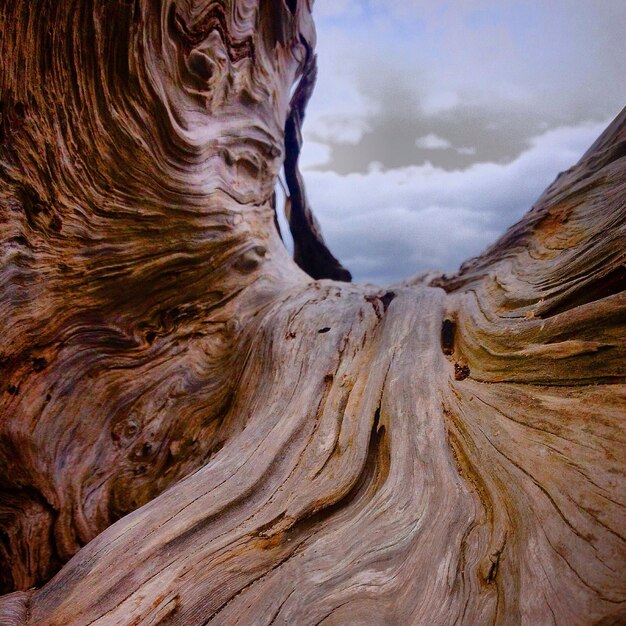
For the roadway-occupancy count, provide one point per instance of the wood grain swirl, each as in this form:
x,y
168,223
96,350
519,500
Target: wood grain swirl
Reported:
x,y
195,431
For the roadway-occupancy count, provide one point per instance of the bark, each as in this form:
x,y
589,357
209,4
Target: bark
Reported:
x,y
195,431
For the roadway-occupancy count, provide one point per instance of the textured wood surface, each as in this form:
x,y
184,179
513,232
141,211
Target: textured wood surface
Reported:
x,y
194,431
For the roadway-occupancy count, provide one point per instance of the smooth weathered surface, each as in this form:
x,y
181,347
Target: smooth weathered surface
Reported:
x,y
193,431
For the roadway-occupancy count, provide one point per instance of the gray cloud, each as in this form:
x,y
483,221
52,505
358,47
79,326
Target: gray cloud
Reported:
x,y
391,140
518,89
389,224
488,83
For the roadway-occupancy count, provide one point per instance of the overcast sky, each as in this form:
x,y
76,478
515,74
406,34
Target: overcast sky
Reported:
x,y
436,124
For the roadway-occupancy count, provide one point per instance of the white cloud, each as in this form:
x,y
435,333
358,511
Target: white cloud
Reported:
x,y
339,111
468,151
386,225
340,129
314,154
432,142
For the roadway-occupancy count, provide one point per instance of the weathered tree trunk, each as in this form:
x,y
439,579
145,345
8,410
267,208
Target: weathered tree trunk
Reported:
x,y
194,431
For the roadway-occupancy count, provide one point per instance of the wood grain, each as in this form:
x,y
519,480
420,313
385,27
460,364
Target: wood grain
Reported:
x,y
195,431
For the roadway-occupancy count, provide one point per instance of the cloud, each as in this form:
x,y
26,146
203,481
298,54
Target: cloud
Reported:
x,y
488,74
501,95
346,129
314,154
438,102
340,111
337,8
386,225
432,142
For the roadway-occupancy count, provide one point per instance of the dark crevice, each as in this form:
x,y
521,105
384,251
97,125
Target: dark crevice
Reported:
x,y
274,204
377,300
386,299
493,569
461,372
376,420
39,364
448,332
16,516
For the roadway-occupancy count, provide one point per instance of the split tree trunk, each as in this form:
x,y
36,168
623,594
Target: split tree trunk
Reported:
x,y
193,431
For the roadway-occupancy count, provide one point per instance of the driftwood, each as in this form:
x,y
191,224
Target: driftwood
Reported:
x,y
193,431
